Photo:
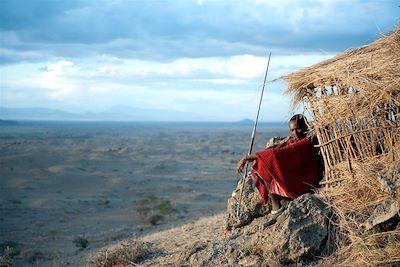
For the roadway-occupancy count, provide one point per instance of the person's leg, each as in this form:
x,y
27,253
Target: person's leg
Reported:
x,y
275,201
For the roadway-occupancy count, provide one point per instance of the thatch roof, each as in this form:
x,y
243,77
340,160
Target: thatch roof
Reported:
x,y
373,70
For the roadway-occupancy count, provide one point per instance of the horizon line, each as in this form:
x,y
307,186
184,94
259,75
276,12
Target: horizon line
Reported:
x,y
242,121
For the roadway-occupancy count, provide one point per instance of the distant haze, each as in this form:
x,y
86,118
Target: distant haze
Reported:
x,y
118,113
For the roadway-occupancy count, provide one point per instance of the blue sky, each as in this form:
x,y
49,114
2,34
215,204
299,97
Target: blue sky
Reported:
x,y
206,58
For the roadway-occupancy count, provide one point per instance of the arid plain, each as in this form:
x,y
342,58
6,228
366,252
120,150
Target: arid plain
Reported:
x,y
68,189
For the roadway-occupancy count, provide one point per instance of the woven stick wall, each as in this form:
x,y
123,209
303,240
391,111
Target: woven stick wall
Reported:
x,y
347,135
354,99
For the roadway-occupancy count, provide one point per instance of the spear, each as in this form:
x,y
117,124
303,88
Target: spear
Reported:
x,y
253,134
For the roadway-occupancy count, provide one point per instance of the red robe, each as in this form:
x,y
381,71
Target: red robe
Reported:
x,y
290,169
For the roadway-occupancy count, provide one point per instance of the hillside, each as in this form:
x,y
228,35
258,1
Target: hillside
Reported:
x,y
356,224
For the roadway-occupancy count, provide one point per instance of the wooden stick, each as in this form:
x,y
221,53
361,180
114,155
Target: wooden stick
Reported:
x,y
359,131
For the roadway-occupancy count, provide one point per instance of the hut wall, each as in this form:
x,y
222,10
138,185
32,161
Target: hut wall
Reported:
x,y
347,134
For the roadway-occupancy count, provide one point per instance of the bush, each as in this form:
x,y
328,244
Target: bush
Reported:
x,y
154,210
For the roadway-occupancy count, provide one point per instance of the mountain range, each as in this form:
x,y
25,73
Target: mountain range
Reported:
x,y
115,113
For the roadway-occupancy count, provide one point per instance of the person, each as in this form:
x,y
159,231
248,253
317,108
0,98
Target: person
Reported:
x,y
288,170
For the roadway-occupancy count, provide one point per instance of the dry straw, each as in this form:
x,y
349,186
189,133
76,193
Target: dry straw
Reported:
x,y
353,202
354,99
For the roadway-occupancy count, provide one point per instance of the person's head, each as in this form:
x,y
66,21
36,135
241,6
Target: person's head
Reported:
x,y
298,126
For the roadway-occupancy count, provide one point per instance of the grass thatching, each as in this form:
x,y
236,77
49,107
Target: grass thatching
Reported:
x,y
354,99
372,71
353,201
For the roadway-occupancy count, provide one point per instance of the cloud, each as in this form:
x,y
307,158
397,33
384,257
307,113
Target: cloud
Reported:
x,y
198,55
55,77
218,83
169,30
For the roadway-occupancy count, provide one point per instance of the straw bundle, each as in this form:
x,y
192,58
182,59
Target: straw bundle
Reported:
x,y
371,70
354,99
353,201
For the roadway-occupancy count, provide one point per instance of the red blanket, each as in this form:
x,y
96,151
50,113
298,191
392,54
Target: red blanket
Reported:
x,y
290,170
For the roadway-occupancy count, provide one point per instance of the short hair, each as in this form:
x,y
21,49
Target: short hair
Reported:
x,y
300,120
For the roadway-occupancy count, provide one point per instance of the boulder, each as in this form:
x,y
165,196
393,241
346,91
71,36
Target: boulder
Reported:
x,y
251,206
298,235
389,209
388,212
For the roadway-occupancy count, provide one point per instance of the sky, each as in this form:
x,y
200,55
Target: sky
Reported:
x,y
202,58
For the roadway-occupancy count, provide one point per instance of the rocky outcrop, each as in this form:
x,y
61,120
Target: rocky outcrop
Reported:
x,y
240,213
389,210
298,235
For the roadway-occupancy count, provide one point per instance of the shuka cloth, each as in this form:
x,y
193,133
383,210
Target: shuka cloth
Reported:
x,y
290,169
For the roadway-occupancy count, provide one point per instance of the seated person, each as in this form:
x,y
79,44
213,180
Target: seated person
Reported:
x,y
287,170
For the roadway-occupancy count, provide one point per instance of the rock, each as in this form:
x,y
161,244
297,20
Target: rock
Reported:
x,y
389,177
276,140
299,234
80,242
201,253
251,206
296,237
384,212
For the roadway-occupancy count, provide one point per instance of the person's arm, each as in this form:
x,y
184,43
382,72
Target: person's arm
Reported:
x,y
243,161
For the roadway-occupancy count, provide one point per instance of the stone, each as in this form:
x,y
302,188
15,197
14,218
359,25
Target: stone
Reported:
x,y
389,178
201,253
80,242
276,140
383,213
296,236
299,234
251,206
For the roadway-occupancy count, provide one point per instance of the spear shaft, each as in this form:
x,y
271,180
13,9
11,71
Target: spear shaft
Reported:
x,y
253,134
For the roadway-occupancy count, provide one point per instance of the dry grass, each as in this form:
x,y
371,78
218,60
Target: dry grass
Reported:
x,y
161,248
353,201
354,99
131,253
373,70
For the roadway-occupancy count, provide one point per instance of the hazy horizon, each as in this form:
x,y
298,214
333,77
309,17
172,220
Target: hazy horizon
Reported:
x,y
46,114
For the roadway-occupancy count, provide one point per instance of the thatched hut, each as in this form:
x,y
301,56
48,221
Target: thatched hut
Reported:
x,y
354,101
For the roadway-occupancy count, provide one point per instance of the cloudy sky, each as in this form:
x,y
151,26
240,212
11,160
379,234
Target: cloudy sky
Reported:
x,y
205,58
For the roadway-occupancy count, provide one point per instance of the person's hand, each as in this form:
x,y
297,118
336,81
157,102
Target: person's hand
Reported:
x,y
240,164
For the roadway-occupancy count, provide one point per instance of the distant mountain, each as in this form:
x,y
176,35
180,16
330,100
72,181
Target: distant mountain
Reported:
x,y
115,113
35,114
246,121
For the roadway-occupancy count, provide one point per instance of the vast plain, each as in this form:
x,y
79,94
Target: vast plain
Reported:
x,y
69,188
